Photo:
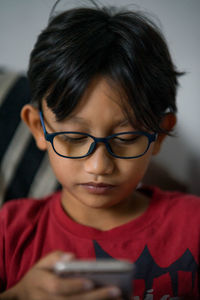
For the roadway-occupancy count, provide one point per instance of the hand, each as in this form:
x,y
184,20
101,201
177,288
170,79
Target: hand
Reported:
x,y
41,283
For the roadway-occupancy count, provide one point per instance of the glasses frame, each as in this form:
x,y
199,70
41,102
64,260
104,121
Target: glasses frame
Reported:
x,y
105,140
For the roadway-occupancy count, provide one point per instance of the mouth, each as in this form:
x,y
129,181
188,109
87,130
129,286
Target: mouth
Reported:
x,y
98,188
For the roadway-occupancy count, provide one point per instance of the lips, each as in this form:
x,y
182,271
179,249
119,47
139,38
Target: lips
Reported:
x,y
98,188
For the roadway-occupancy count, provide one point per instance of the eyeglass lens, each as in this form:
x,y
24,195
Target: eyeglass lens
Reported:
x,y
77,145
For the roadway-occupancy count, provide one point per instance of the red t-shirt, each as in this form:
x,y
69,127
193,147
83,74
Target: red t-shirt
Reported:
x,y
163,243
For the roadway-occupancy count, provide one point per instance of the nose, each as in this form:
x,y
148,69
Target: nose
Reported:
x,y
100,162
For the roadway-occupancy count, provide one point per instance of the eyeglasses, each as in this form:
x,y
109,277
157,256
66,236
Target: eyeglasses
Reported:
x,y
124,145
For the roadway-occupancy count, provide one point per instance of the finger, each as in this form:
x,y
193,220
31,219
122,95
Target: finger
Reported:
x,y
100,294
56,285
49,260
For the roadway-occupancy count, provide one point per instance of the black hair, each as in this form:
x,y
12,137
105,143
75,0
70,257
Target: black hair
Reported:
x,y
125,47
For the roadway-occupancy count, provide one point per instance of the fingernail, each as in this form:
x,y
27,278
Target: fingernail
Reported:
x,y
88,285
114,292
67,256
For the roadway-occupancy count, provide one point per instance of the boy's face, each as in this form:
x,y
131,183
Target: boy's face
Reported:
x,y
99,180
99,114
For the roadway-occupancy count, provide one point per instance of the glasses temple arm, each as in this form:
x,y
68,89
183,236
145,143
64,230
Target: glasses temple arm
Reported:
x,y
42,122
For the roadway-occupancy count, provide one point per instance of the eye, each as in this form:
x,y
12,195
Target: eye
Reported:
x,y
73,138
127,138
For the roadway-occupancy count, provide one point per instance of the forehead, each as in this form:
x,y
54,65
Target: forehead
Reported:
x,y
103,103
105,98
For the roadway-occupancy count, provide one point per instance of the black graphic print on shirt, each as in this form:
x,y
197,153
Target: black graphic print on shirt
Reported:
x,y
146,269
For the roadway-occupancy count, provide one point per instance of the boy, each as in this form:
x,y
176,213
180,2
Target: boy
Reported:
x,y
103,90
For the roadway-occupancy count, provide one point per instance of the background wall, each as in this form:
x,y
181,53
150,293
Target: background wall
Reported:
x,y
22,20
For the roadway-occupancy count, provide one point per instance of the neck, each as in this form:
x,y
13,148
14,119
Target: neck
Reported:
x,y
105,218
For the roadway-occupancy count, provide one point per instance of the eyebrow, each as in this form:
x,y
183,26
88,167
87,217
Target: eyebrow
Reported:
x,y
82,121
123,123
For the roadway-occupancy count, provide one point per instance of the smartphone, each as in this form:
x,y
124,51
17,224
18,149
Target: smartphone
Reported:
x,y
102,272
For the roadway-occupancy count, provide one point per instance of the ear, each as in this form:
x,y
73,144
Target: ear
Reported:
x,y
30,116
168,123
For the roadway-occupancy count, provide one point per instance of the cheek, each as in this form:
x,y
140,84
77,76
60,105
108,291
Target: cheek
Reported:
x,y
135,169
63,168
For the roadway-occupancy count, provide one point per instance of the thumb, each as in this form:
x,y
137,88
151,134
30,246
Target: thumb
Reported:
x,y
52,258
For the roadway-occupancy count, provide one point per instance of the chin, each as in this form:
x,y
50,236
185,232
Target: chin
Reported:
x,y
101,202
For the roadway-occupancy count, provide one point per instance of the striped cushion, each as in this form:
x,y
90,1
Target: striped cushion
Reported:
x,y
24,170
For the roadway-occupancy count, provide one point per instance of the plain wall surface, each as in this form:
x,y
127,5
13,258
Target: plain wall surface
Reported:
x,y
22,20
